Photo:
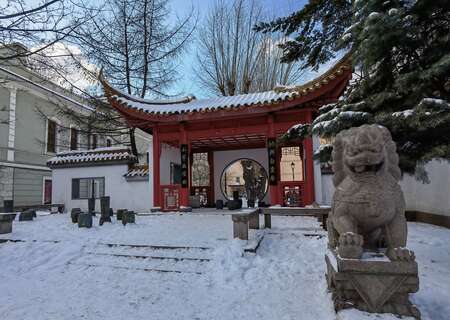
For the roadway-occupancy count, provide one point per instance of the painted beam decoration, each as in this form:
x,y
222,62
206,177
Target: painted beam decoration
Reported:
x,y
272,151
184,165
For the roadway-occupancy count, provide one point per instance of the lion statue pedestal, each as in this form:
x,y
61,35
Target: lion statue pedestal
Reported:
x,y
368,264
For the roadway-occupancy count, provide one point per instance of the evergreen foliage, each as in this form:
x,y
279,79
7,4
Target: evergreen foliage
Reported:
x,y
401,53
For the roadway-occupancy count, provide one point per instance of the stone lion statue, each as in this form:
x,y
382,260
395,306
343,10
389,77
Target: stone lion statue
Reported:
x,y
368,208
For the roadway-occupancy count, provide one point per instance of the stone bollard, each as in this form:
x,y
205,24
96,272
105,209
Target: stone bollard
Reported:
x,y
91,206
85,220
253,220
240,226
267,220
74,214
6,221
128,217
8,206
104,206
119,213
219,204
27,215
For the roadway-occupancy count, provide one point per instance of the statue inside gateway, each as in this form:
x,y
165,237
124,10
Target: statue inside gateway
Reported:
x,y
246,178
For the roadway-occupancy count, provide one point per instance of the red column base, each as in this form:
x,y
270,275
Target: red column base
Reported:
x,y
184,197
274,195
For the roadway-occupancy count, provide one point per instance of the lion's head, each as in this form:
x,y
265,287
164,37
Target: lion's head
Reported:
x,y
364,151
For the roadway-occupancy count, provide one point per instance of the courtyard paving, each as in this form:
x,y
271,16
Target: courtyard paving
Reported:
x,y
188,267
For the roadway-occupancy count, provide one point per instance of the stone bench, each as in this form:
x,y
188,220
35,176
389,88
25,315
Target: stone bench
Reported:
x,y
320,213
6,220
243,221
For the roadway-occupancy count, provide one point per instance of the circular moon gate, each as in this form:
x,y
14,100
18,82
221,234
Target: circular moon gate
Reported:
x,y
245,176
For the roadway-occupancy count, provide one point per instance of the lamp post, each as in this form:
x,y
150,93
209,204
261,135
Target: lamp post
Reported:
x,y
293,168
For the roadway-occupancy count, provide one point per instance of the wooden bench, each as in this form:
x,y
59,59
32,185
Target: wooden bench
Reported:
x,y
243,221
320,213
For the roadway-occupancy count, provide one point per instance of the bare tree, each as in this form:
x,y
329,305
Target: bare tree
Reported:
x,y
233,58
135,45
44,23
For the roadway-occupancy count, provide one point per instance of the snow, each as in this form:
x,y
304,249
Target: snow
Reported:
x,y
111,272
346,37
322,147
443,104
374,15
404,114
100,154
393,12
212,103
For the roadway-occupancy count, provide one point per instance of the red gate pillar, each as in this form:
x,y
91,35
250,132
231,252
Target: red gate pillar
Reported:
x,y
273,187
184,191
309,166
156,168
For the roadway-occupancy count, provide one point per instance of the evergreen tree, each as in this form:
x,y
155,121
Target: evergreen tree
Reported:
x,y
401,53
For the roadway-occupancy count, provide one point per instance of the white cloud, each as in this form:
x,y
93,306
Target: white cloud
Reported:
x,y
65,65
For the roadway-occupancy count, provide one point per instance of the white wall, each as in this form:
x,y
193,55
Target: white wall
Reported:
x,y
320,197
127,195
168,155
223,158
430,198
433,197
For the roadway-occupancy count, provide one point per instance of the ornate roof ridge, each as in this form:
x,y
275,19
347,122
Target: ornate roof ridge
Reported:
x,y
338,68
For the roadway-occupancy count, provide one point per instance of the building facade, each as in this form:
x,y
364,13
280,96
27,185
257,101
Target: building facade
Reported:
x,y
34,128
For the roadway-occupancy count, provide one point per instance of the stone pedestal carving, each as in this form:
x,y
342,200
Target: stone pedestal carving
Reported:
x,y
369,266
372,284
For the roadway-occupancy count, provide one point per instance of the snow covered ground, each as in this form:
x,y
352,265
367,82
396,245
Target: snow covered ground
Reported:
x,y
114,272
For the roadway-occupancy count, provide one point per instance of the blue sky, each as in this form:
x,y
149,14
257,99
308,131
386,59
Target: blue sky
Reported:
x,y
187,84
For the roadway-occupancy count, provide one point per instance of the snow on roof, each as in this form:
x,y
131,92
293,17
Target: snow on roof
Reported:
x,y
212,104
190,104
101,155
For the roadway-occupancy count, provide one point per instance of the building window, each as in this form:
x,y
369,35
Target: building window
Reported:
x,y
51,136
73,139
85,188
291,164
200,170
175,173
94,141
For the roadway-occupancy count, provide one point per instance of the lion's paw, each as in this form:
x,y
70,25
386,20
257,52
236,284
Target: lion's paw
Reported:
x,y
350,245
400,254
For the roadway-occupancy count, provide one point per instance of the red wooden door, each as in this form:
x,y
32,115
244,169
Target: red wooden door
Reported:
x,y
47,191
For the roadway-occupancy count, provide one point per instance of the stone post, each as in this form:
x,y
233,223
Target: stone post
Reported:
x,y
6,223
240,226
104,206
253,221
267,220
91,206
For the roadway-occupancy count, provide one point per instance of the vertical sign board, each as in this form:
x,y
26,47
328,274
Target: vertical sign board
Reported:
x,y
272,151
184,165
